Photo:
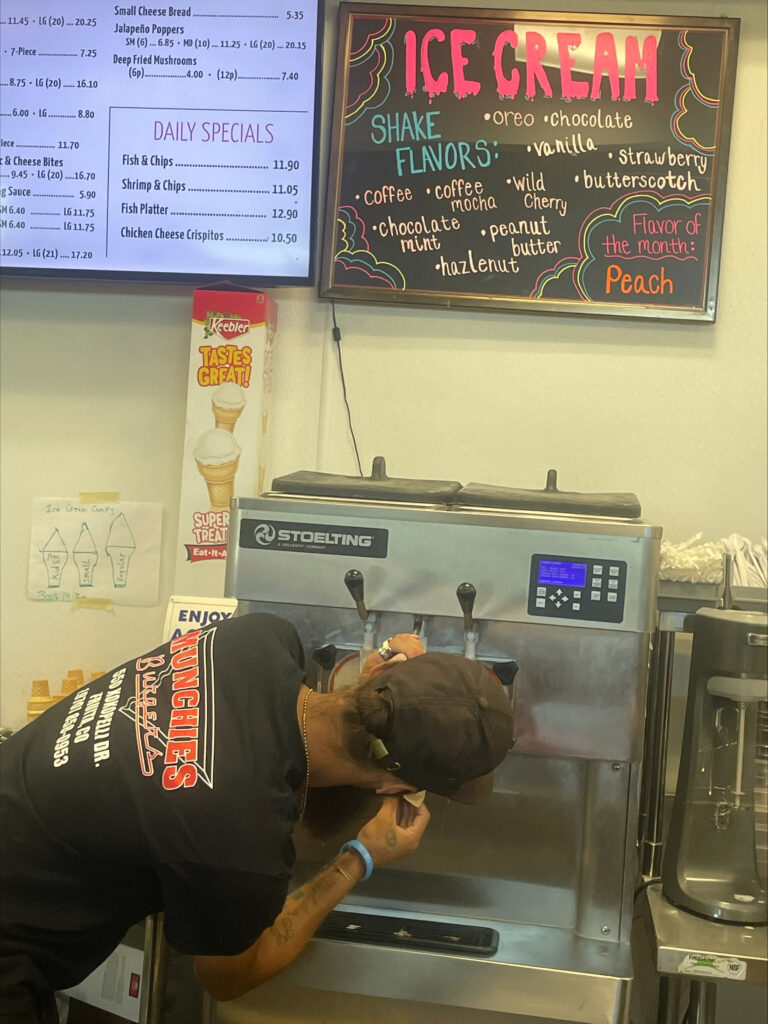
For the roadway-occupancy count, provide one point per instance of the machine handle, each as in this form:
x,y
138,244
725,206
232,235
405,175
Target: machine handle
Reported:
x,y
325,656
505,672
355,584
418,622
466,594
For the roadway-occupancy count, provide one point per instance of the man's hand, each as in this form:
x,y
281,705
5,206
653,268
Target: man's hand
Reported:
x,y
395,832
405,646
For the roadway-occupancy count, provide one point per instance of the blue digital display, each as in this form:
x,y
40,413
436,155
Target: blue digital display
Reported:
x,y
572,574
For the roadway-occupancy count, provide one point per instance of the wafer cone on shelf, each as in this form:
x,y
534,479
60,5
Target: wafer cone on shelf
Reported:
x,y
40,699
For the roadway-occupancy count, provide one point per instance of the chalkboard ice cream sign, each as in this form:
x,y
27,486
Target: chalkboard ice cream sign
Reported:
x,y
555,162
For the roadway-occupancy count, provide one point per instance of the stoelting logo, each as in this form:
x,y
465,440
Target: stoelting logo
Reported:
x,y
225,325
314,538
264,534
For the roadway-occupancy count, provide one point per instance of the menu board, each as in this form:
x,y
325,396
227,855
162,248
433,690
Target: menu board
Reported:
x,y
161,141
532,161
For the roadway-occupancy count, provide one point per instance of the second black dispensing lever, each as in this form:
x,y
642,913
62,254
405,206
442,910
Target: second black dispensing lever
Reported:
x,y
466,594
355,584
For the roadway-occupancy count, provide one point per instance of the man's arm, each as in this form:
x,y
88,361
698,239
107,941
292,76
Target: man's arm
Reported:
x,y
392,834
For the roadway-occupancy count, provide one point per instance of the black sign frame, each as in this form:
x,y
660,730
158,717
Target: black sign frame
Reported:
x,y
398,226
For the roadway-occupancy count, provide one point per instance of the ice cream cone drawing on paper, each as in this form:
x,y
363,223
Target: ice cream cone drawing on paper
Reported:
x,y
85,556
55,557
217,454
120,548
227,402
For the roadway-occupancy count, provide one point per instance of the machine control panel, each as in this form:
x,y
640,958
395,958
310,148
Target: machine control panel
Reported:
x,y
580,589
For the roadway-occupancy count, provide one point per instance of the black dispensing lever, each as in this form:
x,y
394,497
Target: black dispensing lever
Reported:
x,y
355,584
326,658
505,672
418,623
466,594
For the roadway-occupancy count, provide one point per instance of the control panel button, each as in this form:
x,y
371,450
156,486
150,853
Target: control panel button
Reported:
x,y
597,570
612,596
576,606
541,591
540,602
564,598
576,595
558,604
597,583
613,570
595,595
613,584
552,597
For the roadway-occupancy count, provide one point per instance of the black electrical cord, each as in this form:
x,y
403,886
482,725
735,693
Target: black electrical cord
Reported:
x,y
337,338
645,884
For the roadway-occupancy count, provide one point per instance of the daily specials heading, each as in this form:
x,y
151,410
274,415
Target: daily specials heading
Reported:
x,y
158,138
563,162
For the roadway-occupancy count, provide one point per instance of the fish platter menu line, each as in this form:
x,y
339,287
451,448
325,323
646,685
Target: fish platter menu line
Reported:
x,y
532,161
158,138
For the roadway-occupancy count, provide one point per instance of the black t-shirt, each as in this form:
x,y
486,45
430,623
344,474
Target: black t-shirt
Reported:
x,y
166,785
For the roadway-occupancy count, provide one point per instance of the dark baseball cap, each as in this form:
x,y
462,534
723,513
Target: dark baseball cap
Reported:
x,y
450,724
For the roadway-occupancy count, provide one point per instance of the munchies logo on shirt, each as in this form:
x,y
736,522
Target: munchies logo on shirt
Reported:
x,y
183,746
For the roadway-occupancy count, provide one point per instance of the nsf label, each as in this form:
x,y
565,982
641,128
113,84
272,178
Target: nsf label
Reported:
x,y
313,538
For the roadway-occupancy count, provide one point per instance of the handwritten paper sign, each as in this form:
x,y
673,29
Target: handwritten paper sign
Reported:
x,y
107,550
535,161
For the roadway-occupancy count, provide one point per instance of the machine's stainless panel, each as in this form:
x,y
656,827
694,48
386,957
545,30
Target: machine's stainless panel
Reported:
x,y
540,972
578,693
600,886
428,555
513,858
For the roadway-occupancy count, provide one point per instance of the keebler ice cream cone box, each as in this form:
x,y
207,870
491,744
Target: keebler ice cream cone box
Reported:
x,y
225,444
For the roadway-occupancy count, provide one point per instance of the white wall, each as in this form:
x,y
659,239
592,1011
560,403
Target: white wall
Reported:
x,y
94,384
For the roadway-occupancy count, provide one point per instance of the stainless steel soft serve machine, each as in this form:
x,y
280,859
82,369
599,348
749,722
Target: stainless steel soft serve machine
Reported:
x,y
522,904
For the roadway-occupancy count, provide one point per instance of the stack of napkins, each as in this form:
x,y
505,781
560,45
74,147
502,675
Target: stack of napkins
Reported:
x,y
692,562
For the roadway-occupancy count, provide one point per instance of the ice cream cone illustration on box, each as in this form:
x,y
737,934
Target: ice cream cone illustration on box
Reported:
x,y
120,548
217,454
55,556
85,556
227,403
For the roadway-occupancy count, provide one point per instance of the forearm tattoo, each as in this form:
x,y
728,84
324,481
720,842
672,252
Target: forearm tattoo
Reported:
x,y
299,904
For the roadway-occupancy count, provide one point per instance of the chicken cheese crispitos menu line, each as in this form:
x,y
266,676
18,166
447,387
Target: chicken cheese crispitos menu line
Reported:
x,y
159,138
539,161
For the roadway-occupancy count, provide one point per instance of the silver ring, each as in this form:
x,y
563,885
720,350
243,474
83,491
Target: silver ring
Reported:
x,y
386,652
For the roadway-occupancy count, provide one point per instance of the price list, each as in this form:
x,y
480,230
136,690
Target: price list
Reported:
x,y
158,139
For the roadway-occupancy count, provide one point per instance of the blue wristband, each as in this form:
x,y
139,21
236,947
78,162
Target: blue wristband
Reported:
x,y
357,846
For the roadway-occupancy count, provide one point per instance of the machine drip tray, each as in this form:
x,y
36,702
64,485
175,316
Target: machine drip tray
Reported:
x,y
407,933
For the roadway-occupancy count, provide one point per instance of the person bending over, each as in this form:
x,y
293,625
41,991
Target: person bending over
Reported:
x,y
173,783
